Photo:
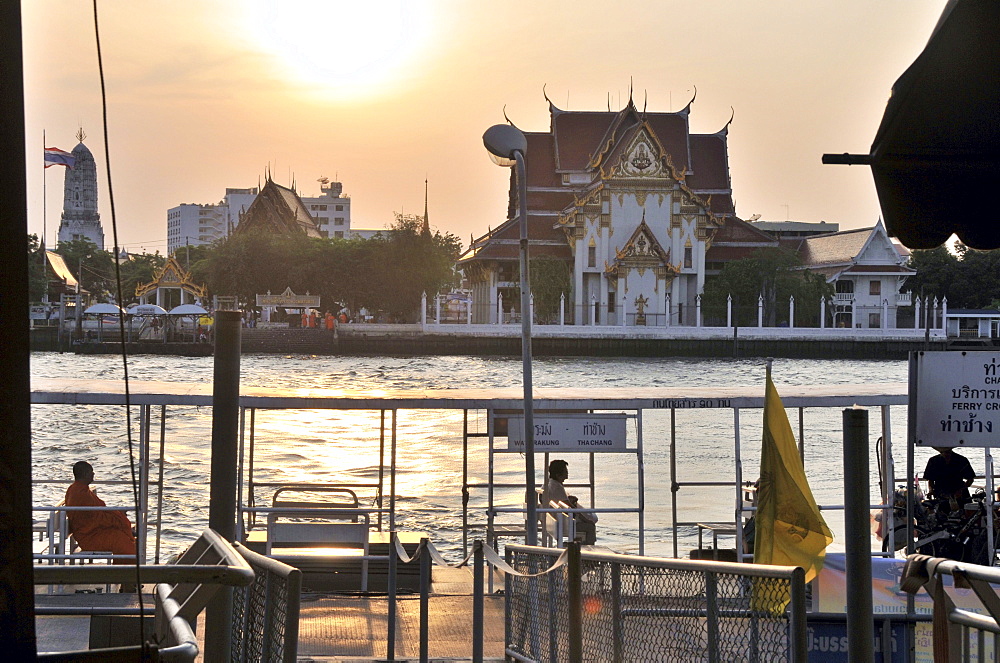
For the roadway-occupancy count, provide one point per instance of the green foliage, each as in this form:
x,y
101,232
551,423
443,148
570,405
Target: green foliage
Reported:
x,y
37,271
386,274
769,273
92,267
968,278
550,280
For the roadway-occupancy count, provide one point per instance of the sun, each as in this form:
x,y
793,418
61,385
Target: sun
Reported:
x,y
346,47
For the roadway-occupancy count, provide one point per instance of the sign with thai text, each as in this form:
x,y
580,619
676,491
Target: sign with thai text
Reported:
x,y
289,299
958,399
692,403
571,433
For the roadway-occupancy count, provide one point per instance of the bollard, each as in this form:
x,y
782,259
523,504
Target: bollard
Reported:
x,y
425,590
222,496
860,627
477,602
573,583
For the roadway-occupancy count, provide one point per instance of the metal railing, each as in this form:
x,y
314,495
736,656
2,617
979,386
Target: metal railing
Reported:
x,y
959,634
609,607
266,612
182,592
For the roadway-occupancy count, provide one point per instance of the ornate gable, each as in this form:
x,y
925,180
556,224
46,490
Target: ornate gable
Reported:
x,y
172,275
642,251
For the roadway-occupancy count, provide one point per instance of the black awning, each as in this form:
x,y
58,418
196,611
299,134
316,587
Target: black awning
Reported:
x,y
936,156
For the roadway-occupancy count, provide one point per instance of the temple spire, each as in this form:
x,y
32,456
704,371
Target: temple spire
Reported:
x,y
426,230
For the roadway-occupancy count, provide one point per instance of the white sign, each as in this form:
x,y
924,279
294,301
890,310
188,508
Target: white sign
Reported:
x,y
958,399
571,433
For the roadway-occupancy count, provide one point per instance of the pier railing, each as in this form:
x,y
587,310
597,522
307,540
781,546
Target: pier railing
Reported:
x,y
609,607
959,634
266,612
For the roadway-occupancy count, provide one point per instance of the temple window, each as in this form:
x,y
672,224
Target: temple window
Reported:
x,y
688,257
875,288
591,256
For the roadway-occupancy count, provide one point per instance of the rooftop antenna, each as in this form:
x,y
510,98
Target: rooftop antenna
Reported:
x,y
81,135
787,212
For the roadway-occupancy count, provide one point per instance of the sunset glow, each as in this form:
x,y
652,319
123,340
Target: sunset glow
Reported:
x,y
341,49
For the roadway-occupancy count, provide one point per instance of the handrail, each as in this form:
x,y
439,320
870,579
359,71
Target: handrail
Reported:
x,y
65,574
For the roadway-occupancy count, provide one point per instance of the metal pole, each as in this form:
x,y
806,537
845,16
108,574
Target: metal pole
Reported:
x,y
860,628
425,588
477,602
575,600
392,477
17,599
222,496
531,531
390,645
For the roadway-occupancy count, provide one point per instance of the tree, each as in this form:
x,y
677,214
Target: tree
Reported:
x,y
38,279
767,273
140,268
967,278
93,268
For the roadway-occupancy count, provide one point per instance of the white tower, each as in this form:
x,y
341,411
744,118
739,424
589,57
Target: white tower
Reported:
x,y
80,219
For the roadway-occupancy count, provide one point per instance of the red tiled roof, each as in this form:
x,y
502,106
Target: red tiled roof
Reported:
x,y
737,230
540,160
709,162
671,130
578,135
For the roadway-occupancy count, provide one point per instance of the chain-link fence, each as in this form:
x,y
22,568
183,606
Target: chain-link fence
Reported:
x,y
625,608
266,612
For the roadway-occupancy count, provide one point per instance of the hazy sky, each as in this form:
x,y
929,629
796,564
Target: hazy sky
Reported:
x,y
204,95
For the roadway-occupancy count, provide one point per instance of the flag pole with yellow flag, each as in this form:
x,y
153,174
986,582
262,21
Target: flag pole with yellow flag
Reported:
x,y
789,529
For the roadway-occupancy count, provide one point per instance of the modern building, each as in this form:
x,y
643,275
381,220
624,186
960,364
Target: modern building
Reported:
x,y
638,207
795,229
80,218
193,224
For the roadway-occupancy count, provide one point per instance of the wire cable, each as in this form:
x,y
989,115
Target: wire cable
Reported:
x,y
121,329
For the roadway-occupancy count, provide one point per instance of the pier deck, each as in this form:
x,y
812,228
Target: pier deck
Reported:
x,y
337,628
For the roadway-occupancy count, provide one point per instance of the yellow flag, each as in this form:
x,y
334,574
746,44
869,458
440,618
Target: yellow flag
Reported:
x,y
789,530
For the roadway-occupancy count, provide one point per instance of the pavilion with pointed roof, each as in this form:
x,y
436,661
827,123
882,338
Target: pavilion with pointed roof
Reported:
x,y
640,208
277,210
171,286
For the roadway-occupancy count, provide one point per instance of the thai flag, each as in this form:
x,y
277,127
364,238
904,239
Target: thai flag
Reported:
x,y
56,157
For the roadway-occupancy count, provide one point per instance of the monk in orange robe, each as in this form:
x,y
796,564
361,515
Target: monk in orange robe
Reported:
x,y
97,530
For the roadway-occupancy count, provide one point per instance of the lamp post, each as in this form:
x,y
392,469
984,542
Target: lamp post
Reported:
x,y
507,145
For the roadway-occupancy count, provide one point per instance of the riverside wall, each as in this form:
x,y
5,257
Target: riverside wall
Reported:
x,y
548,341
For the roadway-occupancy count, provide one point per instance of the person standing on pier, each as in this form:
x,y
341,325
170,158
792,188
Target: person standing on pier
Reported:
x,y
949,475
97,530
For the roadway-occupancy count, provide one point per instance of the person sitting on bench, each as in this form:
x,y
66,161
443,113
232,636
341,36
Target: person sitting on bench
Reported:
x,y
586,532
101,531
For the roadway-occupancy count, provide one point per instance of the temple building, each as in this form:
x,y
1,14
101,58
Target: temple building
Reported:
x,y
277,210
639,208
868,271
80,218
192,224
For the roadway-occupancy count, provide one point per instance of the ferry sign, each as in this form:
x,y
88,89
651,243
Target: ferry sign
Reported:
x,y
571,433
958,399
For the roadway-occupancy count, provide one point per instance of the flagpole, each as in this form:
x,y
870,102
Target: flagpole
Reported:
x,y
45,181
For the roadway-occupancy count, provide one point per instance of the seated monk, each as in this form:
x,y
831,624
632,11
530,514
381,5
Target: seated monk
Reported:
x,y
101,531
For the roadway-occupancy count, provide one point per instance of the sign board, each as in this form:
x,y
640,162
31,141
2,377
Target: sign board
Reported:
x,y
288,299
571,433
958,399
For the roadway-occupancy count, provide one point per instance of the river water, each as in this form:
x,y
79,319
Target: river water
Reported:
x,y
342,446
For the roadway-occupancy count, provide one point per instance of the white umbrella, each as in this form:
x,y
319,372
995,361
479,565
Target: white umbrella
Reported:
x,y
187,309
102,309
147,309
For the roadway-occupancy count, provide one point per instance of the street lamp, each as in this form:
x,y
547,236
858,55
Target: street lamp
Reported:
x,y
507,145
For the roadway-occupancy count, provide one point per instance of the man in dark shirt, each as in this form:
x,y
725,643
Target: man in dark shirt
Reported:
x,y
949,475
